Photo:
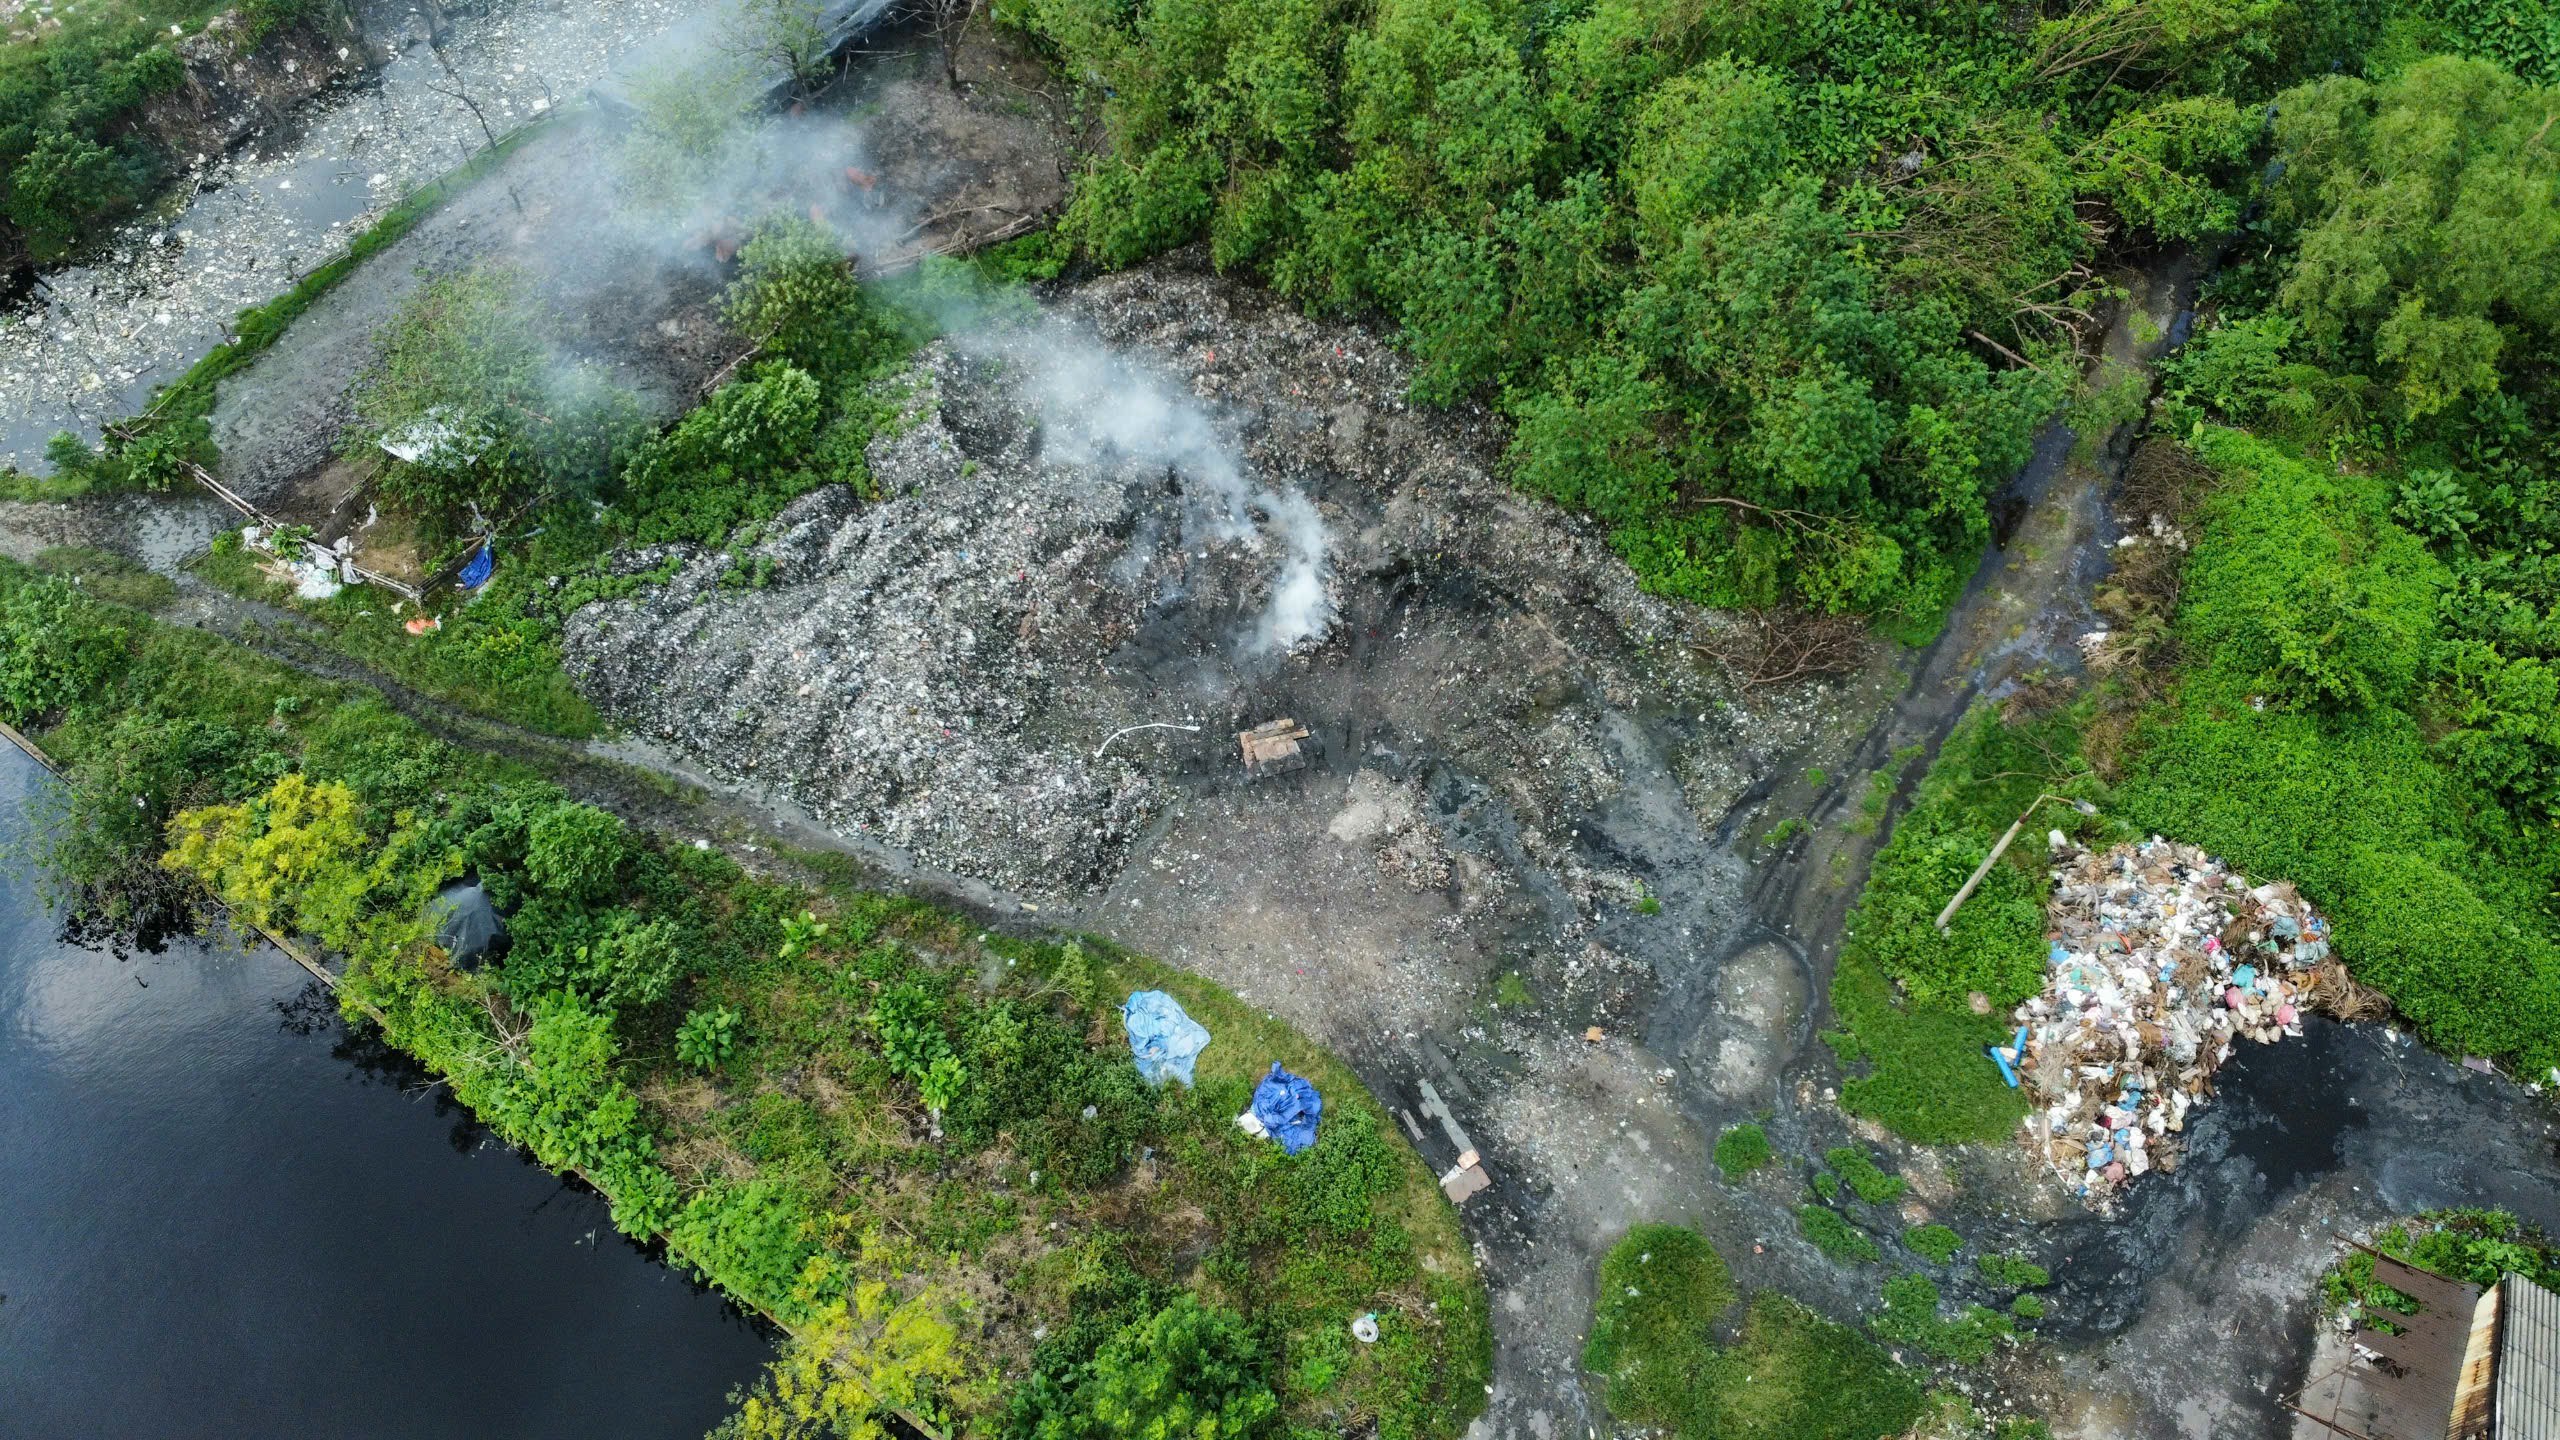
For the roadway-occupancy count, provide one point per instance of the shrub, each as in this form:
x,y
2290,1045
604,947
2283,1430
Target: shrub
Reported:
x,y
707,1038
1742,1149
58,647
576,852
738,457
1189,1369
752,1240
297,858
1834,1236
1936,1243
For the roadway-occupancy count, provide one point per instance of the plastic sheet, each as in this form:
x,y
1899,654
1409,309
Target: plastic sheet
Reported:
x,y
1164,1038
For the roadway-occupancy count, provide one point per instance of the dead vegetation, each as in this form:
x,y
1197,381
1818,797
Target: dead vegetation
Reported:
x,y
1773,647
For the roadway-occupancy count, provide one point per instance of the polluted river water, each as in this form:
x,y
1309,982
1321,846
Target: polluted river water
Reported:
x,y
223,1213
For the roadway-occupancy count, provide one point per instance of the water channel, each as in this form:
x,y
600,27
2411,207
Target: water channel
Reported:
x,y
222,1213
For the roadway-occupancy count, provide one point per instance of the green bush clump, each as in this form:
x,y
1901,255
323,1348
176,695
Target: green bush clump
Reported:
x,y
1742,1149
1859,1168
1188,1369
1937,1243
2027,1307
707,1038
58,646
2011,1272
1911,1317
1833,1235
1662,1290
576,851
1790,1374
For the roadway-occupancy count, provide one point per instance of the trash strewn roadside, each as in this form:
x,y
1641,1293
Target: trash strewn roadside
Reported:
x,y
2160,957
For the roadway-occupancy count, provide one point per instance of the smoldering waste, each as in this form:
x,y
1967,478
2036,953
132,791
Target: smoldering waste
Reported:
x,y
2160,957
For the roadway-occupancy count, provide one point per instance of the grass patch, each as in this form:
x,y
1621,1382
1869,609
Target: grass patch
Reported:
x,y
1911,1316
1789,1374
1901,993
1513,993
109,576
1865,1177
2011,1272
1742,1149
1833,1235
1937,1243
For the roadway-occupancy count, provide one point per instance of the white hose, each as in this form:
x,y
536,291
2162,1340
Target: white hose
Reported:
x,y
1129,729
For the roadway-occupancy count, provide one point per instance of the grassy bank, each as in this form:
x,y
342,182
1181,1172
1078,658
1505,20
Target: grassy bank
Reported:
x,y
919,1145
73,81
148,451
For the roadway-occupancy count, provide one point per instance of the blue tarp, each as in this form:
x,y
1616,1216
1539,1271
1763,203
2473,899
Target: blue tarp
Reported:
x,y
1163,1038
1288,1107
476,574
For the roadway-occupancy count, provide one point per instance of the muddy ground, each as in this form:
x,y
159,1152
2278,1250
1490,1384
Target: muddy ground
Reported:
x,y
1515,766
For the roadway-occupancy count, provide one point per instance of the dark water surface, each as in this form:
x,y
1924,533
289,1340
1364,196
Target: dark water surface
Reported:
x,y
221,1214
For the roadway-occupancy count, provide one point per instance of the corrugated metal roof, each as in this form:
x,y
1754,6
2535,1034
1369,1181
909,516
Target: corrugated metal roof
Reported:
x,y
2528,1406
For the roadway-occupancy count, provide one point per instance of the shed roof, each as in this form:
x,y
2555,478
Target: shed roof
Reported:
x,y
2528,1404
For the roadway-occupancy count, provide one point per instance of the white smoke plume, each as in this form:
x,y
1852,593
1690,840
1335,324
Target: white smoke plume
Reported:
x,y
1099,405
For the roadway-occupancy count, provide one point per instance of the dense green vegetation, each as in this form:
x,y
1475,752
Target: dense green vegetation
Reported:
x,y
1788,1375
912,1142
2347,674
1777,291
72,81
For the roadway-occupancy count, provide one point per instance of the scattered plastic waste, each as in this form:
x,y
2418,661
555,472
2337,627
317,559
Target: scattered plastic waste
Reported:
x,y
1364,1328
2161,956
1287,1108
476,573
1165,1039
436,438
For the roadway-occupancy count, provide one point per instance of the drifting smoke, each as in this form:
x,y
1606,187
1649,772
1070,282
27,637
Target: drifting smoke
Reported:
x,y
1099,406
706,156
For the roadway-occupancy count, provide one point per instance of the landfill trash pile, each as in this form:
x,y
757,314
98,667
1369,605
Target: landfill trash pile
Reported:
x,y
2161,956
939,670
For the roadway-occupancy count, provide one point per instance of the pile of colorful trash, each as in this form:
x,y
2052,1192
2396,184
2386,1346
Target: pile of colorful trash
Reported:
x,y
2160,956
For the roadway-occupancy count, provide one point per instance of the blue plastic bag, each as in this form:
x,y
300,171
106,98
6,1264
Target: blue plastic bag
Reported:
x,y
1164,1039
476,574
1288,1108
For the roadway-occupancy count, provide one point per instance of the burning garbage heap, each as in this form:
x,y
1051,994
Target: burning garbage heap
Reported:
x,y
2160,957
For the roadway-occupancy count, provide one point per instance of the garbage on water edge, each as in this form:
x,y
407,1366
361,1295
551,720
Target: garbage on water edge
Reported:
x,y
2159,957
